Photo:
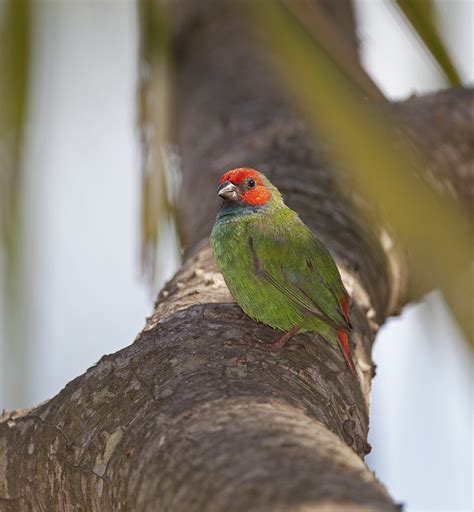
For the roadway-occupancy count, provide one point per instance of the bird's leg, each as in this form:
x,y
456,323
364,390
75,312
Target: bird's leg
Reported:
x,y
279,343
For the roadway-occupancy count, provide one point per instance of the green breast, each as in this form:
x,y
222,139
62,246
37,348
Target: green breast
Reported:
x,y
231,241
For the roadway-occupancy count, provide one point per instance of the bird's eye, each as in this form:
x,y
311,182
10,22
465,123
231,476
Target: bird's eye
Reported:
x,y
251,183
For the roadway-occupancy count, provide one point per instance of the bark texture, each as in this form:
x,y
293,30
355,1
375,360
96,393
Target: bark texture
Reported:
x,y
441,125
191,416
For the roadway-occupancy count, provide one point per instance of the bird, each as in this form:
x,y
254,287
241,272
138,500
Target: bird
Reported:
x,y
277,270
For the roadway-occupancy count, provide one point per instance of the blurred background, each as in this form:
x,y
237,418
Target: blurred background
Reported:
x,y
72,280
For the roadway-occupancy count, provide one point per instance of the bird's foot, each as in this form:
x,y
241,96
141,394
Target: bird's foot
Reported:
x,y
280,342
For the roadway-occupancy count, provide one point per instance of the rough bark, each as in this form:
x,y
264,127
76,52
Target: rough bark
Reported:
x,y
192,416
441,125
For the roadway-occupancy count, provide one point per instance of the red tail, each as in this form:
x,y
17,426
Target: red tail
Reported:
x,y
343,340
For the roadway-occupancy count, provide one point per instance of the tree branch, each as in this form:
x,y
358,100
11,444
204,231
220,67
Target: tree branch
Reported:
x,y
441,127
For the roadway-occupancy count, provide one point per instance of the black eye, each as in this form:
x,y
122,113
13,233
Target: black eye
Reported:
x,y
251,183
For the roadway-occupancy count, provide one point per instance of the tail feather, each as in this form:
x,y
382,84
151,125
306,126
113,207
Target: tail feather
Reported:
x,y
345,305
343,341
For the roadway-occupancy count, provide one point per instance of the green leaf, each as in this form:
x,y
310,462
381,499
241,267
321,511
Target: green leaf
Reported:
x,y
420,15
15,30
334,41
14,67
154,103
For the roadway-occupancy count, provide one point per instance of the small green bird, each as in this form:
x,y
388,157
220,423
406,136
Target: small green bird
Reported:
x,y
279,273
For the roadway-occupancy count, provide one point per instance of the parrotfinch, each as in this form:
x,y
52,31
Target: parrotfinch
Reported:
x,y
277,270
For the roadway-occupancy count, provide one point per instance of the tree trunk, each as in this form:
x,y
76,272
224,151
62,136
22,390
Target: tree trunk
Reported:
x,y
193,416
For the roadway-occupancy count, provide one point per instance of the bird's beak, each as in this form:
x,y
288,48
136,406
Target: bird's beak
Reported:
x,y
228,191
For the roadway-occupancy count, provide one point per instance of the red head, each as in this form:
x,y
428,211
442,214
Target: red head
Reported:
x,y
244,185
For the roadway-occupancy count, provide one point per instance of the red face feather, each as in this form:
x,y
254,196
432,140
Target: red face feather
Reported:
x,y
256,196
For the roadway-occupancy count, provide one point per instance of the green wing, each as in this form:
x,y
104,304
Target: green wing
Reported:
x,y
288,256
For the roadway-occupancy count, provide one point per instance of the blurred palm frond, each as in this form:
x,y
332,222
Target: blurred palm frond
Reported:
x,y
154,100
388,177
421,18
14,67
329,36
15,31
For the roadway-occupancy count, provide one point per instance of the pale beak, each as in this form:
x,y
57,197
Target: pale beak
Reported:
x,y
228,191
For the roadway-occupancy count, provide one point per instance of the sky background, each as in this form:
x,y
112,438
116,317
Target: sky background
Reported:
x,y
82,242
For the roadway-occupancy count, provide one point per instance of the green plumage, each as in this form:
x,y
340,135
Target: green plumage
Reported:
x,y
279,273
